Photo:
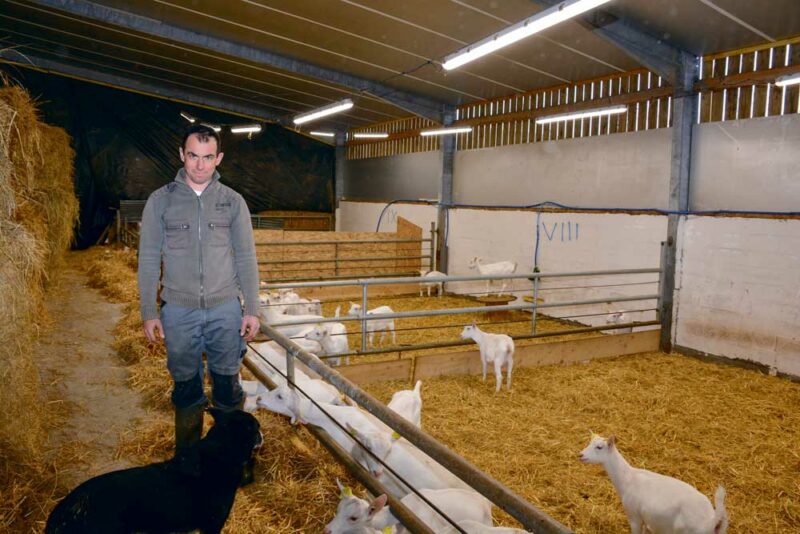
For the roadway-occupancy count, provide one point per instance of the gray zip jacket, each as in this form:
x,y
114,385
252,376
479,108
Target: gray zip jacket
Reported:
x,y
205,243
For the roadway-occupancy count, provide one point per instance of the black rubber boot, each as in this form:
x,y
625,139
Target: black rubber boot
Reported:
x,y
188,430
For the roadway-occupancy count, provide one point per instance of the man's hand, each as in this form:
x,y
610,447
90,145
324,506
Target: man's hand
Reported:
x,y
250,327
152,326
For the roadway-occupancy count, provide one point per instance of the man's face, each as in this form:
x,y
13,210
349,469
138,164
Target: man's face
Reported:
x,y
200,159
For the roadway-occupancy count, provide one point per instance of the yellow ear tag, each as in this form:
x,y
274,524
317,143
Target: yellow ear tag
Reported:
x,y
347,492
387,530
396,435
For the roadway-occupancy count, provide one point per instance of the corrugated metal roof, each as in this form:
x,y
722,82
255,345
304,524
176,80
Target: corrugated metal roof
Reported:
x,y
397,44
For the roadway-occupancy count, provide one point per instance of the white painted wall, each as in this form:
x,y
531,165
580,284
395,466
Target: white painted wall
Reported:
x,y
747,165
568,242
617,171
363,216
739,289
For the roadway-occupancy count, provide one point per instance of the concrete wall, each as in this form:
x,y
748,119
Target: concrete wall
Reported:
x,y
747,165
568,242
739,289
621,170
739,282
407,176
363,216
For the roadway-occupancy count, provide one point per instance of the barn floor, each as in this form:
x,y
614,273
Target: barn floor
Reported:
x,y
420,330
704,423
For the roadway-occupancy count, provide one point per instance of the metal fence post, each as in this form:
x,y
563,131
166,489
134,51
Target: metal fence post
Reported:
x,y
291,353
535,305
432,248
363,317
659,302
336,259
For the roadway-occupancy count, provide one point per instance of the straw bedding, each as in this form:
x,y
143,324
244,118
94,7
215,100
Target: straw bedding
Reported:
x,y
704,423
38,209
295,488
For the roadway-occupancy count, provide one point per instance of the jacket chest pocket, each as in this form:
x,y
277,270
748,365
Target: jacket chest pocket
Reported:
x,y
177,235
219,231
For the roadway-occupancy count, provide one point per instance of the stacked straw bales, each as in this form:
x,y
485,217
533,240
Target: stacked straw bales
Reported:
x,y
38,210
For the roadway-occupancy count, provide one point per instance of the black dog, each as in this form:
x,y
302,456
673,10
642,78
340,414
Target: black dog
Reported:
x,y
164,497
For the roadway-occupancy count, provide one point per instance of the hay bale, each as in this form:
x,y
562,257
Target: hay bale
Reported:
x,y
38,209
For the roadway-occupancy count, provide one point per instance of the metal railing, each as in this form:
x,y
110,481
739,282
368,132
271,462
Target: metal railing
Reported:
x,y
535,290
528,515
332,259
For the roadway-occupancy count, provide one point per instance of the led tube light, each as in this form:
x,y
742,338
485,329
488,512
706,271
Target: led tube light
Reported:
x,y
324,111
789,79
370,135
534,24
447,131
248,128
582,114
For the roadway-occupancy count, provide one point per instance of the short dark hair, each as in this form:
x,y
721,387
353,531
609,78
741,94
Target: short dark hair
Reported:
x,y
203,133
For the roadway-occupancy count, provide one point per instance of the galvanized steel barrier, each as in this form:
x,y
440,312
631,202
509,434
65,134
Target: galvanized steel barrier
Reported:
x,y
528,515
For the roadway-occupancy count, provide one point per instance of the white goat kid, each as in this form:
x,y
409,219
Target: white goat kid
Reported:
x,y
457,504
474,527
408,404
272,313
619,318
355,515
497,268
494,348
332,337
292,404
413,465
376,325
439,286
656,503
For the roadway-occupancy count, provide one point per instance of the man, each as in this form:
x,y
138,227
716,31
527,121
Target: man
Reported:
x,y
200,231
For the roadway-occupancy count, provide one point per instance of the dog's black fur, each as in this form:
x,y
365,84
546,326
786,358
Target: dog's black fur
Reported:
x,y
165,497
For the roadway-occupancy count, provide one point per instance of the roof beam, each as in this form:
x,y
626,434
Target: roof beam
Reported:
x,y
198,99
416,104
664,59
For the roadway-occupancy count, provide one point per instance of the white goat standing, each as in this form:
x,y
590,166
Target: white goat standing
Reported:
x,y
408,404
357,515
332,339
619,318
272,313
376,325
494,348
413,465
656,503
497,268
428,285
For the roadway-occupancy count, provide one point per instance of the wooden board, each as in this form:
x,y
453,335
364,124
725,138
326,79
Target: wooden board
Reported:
x,y
363,373
469,362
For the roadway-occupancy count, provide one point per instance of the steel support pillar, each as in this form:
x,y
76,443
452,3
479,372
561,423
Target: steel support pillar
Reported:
x,y
684,113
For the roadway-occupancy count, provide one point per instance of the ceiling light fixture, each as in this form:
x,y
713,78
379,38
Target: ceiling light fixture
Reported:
x,y
525,28
188,117
789,79
324,111
214,127
582,114
370,135
447,131
247,128
323,134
